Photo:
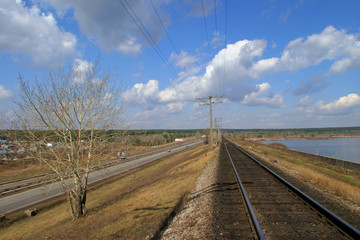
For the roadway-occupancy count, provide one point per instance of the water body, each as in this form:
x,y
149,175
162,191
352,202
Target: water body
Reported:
x,y
342,148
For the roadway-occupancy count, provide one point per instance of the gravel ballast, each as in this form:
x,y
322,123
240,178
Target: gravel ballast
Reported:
x,y
195,219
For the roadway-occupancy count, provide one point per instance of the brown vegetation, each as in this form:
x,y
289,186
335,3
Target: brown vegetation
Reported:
x,y
23,169
132,207
336,180
280,145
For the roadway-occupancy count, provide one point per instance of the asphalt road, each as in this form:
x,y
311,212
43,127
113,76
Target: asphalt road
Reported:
x,y
40,194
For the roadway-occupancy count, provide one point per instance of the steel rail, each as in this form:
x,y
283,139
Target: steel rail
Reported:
x,y
337,221
254,220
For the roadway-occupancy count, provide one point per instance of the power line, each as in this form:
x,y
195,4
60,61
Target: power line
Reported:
x,y
217,46
225,38
226,13
147,35
216,29
207,35
168,36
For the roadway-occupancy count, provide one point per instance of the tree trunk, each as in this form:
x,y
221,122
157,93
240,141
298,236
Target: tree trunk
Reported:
x,y
78,199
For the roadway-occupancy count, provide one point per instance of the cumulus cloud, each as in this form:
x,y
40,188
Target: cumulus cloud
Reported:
x,y
149,117
238,58
81,69
190,64
330,44
145,95
183,59
345,64
341,105
4,93
32,34
109,24
305,101
255,99
239,65
232,67
314,84
263,66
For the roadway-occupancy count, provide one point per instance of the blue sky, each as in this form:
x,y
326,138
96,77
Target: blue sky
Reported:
x,y
277,63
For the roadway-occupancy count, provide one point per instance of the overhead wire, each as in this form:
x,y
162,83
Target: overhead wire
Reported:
x,y
170,40
147,35
173,45
225,43
222,113
158,51
217,47
206,31
151,41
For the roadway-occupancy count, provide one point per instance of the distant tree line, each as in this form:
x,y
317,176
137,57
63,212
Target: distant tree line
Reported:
x,y
294,132
144,137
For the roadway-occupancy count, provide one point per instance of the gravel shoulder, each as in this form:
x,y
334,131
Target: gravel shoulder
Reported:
x,y
195,219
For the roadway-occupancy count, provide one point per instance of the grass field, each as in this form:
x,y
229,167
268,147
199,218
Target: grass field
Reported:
x,y
335,180
19,170
134,206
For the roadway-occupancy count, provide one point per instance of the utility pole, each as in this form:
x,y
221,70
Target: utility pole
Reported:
x,y
218,127
209,101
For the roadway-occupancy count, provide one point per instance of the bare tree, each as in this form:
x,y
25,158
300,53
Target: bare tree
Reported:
x,y
64,117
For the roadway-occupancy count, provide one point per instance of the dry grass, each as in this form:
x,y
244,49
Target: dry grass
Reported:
x,y
330,178
19,170
132,207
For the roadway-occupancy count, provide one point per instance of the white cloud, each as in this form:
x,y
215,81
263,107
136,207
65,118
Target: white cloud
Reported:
x,y
145,95
263,66
305,101
174,107
344,65
4,93
189,63
183,60
81,69
129,46
330,44
111,26
237,57
31,33
149,117
234,69
254,99
341,105
314,84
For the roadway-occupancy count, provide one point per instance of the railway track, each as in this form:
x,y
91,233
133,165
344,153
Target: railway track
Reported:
x,y
268,207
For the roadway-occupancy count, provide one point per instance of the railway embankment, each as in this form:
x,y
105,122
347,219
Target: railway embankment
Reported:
x,y
134,205
205,214
348,165
138,211
329,184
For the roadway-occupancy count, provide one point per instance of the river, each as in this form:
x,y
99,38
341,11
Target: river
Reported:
x,y
342,148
